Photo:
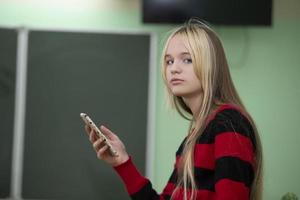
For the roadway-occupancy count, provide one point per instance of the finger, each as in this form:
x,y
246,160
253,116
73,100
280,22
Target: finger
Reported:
x,y
88,131
98,144
101,151
93,137
108,133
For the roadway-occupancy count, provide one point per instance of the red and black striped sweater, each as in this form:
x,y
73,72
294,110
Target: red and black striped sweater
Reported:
x,y
223,162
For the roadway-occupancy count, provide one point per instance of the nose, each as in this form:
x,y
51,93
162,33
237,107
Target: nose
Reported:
x,y
175,68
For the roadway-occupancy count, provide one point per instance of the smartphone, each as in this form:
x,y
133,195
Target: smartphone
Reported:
x,y
88,121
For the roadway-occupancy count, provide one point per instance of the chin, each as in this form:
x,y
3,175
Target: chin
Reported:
x,y
184,92
178,93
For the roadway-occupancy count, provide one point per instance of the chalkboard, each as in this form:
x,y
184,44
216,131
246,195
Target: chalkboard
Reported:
x,y
8,46
103,74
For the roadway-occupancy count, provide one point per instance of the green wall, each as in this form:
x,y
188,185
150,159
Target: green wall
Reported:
x,y
264,63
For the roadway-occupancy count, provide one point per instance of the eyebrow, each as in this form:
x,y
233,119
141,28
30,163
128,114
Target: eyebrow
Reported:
x,y
181,54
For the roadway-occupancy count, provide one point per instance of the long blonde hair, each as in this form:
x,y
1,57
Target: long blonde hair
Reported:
x,y
211,68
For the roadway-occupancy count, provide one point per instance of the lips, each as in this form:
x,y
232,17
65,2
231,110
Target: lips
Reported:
x,y
176,81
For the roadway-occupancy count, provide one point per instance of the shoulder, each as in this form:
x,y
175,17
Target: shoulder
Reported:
x,y
227,119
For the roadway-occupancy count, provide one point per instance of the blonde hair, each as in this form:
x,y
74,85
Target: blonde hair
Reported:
x,y
211,68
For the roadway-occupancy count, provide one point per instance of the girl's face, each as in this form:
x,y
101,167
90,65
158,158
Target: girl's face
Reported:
x,y
180,74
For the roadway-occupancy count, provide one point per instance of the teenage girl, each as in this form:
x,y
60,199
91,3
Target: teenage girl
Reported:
x,y
221,156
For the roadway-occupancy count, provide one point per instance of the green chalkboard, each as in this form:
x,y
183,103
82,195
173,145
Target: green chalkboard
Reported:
x,y
103,74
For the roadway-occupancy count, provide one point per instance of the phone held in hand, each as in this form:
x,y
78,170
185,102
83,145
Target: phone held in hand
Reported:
x,y
88,121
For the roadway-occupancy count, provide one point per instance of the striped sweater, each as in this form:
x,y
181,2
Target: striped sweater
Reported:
x,y
224,162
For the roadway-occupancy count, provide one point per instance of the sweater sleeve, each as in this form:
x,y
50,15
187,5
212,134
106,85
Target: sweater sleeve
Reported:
x,y
234,159
137,186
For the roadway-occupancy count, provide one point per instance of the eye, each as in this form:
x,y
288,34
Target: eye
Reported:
x,y
187,60
169,62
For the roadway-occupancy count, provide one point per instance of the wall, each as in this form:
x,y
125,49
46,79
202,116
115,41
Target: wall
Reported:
x,y
264,64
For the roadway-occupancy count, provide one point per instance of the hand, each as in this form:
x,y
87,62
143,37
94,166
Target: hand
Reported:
x,y
102,149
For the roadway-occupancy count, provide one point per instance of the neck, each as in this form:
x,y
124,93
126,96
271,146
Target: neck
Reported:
x,y
193,102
